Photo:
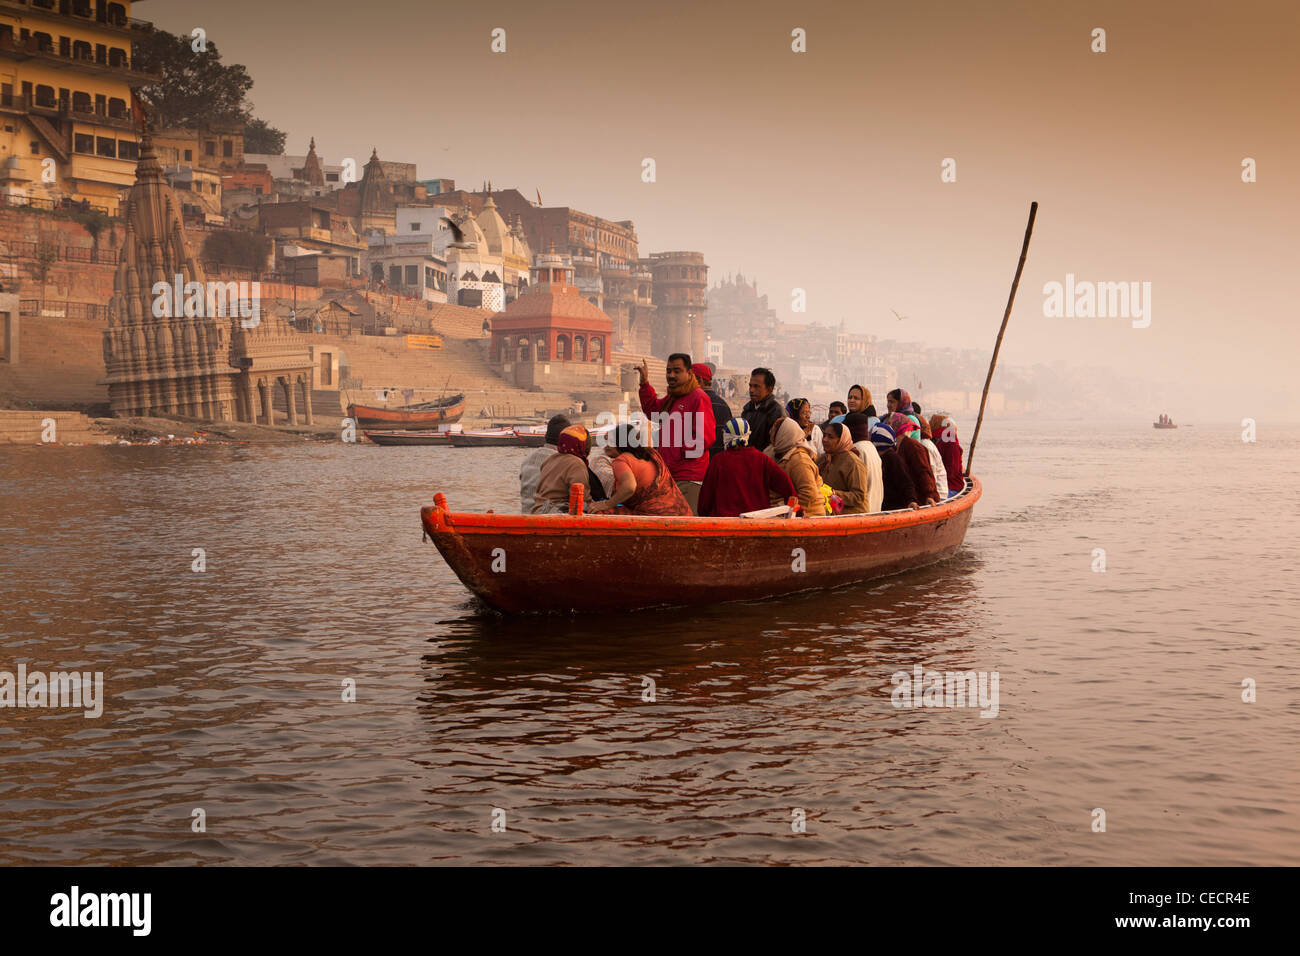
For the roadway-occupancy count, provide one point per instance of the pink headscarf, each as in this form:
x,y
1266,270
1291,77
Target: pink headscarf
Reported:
x,y
903,426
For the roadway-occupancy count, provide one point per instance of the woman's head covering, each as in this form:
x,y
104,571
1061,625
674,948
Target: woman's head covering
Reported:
x,y
939,425
735,434
859,426
882,436
901,425
703,373
904,402
795,406
925,428
836,439
574,440
866,394
788,436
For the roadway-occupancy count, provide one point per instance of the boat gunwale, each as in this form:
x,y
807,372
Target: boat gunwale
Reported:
x,y
438,519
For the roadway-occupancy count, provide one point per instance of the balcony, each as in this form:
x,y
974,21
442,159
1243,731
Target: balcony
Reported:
x,y
11,46
63,110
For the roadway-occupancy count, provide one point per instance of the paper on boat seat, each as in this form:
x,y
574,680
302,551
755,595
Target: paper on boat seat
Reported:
x,y
780,511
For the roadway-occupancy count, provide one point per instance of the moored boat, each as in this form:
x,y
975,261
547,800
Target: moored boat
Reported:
x,y
588,563
409,437
499,438
425,415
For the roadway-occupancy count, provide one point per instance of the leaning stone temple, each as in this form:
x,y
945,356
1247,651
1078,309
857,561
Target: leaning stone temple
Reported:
x,y
199,366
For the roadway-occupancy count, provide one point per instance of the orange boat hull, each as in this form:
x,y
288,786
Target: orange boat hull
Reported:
x,y
565,564
370,416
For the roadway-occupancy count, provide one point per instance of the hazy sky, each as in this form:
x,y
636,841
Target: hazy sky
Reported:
x,y
821,170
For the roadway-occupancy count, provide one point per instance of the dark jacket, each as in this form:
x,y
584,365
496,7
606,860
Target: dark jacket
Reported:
x,y
721,415
761,418
742,479
899,490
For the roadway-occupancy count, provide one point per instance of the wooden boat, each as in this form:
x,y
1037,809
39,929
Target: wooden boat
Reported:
x,y
1163,425
499,438
409,437
565,563
425,415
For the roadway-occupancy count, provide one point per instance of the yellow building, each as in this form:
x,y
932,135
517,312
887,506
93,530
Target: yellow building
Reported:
x,y
65,100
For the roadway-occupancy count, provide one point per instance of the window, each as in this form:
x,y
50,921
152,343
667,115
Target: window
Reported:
x,y
189,156
127,149
117,57
394,275
44,95
117,108
331,177
6,92
105,147
36,148
65,46
81,50
415,227
227,149
81,102
210,148
44,42
412,276
84,143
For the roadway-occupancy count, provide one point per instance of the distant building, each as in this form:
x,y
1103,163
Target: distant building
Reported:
x,y
551,337
66,82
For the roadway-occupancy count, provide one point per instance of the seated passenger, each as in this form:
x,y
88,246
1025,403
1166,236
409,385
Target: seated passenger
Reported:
x,y
797,462
642,482
859,426
567,467
837,411
944,433
531,469
843,470
915,456
899,490
741,478
801,411
937,467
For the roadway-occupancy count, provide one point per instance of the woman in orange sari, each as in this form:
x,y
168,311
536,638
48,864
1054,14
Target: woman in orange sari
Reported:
x,y
642,483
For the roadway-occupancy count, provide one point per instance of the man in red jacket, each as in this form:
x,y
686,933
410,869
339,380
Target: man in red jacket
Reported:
x,y
741,478
685,419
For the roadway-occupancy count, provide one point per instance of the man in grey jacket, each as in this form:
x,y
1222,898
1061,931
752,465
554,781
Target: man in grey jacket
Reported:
x,y
530,472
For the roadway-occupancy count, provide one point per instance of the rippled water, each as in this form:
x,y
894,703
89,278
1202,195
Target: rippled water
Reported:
x,y
1118,690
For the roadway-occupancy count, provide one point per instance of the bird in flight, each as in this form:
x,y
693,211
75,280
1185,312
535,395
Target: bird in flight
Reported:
x,y
899,317
458,235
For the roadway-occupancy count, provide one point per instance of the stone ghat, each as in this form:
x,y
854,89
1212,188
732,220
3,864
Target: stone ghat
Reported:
x,y
36,427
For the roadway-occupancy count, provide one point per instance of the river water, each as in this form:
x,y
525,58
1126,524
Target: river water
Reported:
x,y
1119,690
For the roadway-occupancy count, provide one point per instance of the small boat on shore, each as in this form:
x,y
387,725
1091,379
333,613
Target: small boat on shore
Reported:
x,y
409,437
562,563
498,438
425,415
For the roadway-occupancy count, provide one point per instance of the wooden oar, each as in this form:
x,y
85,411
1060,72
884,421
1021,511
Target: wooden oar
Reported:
x,y
1020,267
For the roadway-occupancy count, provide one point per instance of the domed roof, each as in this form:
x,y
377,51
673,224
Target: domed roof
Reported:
x,y
493,227
518,244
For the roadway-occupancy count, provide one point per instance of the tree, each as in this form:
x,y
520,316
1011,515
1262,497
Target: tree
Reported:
x,y
259,137
195,87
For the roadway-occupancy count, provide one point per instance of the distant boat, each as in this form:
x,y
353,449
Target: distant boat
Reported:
x,y
425,415
409,437
499,437
1164,422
